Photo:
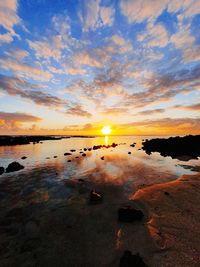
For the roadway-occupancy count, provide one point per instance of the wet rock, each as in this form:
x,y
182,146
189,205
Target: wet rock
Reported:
x,y
89,149
69,160
102,158
130,260
97,147
81,152
24,157
81,180
128,214
85,149
76,157
73,150
55,157
166,193
84,155
2,170
47,157
132,145
129,152
14,166
95,197
67,154
114,145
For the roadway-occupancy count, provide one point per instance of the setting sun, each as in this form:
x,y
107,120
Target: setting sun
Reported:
x,y
106,130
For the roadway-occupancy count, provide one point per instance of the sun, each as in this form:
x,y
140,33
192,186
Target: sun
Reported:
x,y
106,130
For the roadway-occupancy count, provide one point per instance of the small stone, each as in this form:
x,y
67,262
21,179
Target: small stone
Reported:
x,y
85,149
166,193
95,196
130,260
84,155
55,157
14,166
73,150
128,214
23,157
69,160
129,152
102,158
77,157
67,154
81,180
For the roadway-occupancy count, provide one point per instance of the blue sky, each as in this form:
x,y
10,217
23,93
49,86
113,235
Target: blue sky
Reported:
x,y
71,67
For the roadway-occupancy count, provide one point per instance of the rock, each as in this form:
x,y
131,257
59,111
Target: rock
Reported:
x,y
55,157
95,196
14,166
47,157
129,152
128,214
114,145
67,154
97,147
132,145
85,149
102,158
81,180
84,155
130,260
81,152
166,193
76,157
23,157
73,150
89,149
69,160
2,170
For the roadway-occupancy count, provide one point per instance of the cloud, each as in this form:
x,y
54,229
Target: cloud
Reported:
x,y
84,58
78,110
155,35
14,121
8,19
94,15
24,70
193,107
114,111
153,111
18,87
121,45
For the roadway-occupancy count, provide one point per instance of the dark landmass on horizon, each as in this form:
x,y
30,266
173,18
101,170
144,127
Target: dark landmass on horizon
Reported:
x,y
184,148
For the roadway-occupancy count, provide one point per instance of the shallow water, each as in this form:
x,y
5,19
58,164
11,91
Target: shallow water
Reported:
x,y
44,207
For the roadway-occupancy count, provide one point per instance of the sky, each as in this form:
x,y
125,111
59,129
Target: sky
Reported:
x,y
74,66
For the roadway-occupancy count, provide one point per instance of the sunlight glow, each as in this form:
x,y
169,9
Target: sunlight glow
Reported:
x,y
106,130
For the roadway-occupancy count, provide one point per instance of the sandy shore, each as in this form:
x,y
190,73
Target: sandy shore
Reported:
x,y
173,224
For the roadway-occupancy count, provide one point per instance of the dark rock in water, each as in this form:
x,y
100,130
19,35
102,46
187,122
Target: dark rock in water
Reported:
x,y
69,160
95,196
77,157
84,155
2,170
55,157
102,158
85,149
81,180
129,152
89,149
97,147
23,157
128,214
14,166
81,152
130,260
67,154
133,144
182,148
73,150
114,145
166,193
47,157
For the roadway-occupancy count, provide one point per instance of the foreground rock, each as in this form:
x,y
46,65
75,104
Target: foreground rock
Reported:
x,y
95,197
130,260
186,148
128,214
14,166
24,157
2,170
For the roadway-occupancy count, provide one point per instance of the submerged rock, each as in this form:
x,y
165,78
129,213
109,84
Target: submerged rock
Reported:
x,y
128,214
95,196
130,260
24,157
14,166
129,152
133,144
73,150
84,155
2,170
102,158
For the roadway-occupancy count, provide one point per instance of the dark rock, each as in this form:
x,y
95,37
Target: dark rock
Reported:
x,y
84,155
95,196
129,152
166,193
183,148
130,260
81,152
73,150
132,145
47,157
55,157
128,214
67,154
114,145
81,180
77,157
14,166
85,149
97,147
23,157
102,158
2,170
69,160
89,149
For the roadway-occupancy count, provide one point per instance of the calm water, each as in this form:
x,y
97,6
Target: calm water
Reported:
x,y
45,218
